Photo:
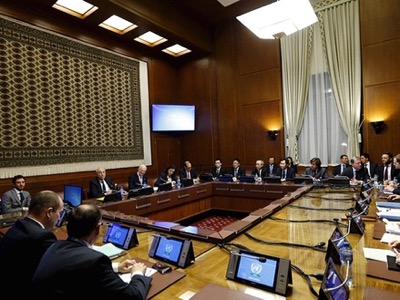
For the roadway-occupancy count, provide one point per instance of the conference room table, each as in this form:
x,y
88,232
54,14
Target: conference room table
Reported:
x,y
308,220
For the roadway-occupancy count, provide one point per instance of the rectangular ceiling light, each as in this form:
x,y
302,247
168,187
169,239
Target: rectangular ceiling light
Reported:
x,y
118,25
150,39
76,8
176,50
227,2
279,19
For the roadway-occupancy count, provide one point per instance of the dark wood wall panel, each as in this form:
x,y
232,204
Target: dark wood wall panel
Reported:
x,y
382,103
255,54
380,20
380,43
382,62
262,117
260,87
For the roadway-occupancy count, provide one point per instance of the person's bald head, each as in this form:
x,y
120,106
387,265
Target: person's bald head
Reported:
x,y
46,207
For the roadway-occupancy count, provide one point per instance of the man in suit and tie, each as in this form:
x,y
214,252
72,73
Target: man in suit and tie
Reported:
x,y
218,170
370,166
25,242
272,167
356,172
284,172
236,170
344,163
387,171
188,172
71,267
139,179
259,171
101,184
16,200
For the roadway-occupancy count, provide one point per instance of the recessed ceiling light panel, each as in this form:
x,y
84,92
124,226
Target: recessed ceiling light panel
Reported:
x,y
76,8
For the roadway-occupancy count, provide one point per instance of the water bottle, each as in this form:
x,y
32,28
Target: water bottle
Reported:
x,y
178,183
122,191
395,181
346,256
256,178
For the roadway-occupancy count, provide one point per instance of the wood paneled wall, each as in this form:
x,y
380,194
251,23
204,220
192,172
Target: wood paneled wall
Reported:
x,y
380,41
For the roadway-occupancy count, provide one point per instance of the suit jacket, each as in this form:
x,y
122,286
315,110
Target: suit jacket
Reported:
x,y
70,268
95,190
264,172
241,172
20,251
361,174
134,181
11,202
274,169
163,179
289,173
319,174
373,168
222,171
193,173
337,169
381,168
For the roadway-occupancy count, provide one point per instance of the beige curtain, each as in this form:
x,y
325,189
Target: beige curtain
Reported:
x,y
341,39
296,53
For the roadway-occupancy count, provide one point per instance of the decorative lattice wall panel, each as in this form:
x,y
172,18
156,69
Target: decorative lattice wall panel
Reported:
x,y
63,101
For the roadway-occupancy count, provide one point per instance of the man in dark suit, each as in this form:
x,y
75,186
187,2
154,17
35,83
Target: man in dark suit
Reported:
x,y
272,167
387,171
344,163
101,184
236,170
71,267
188,172
16,200
139,179
316,171
259,171
370,166
218,169
284,172
356,172
25,242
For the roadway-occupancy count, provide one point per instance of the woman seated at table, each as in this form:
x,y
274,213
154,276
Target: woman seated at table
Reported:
x,y
169,175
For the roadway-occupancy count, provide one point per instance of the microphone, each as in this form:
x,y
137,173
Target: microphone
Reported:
x,y
344,281
348,230
236,252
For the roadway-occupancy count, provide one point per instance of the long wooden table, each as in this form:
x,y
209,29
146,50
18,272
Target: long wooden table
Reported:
x,y
211,261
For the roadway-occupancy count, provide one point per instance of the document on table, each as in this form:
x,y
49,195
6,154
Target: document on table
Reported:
x,y
388,237
110,250
377,254
127,276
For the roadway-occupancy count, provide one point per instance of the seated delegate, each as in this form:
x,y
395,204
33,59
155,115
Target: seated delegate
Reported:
x,y
167,176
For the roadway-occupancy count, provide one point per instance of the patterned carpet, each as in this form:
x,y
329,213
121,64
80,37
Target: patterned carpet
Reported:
x,y
215,222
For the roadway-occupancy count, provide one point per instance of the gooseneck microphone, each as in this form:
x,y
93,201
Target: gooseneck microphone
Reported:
x,y
236,252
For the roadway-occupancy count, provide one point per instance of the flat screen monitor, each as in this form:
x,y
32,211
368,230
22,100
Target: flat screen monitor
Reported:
x,y
334,244
226,178
187,182
248,179
121,236
333,287
146,191
339,182
172,250
303,180
73,195
260,271
206,177
169,118
164,187
272,179
114,196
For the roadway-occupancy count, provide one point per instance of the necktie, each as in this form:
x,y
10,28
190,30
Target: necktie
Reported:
x,y
385,175
21,195
354,173
235,173
103,187
217,172
187,174
260,172
141,180
342,169
271,168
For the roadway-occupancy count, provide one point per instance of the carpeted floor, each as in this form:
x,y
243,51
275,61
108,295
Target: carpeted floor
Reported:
x,y
215,222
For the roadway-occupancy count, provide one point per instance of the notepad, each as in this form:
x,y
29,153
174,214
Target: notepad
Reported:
x,y
110,250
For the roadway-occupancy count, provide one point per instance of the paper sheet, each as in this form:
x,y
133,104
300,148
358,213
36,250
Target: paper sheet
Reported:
x,y
377,254
388,237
